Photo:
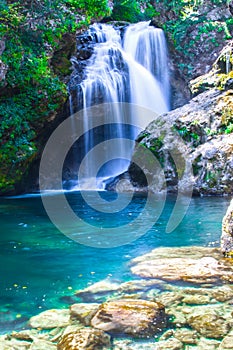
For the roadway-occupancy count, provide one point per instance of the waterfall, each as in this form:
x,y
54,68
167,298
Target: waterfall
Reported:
x,y
147,46
132,69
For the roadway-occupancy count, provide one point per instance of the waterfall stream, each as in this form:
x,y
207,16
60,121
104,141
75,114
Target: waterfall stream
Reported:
x,y
129,68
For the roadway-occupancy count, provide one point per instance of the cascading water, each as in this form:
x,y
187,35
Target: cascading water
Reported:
x,y
133,70
147,46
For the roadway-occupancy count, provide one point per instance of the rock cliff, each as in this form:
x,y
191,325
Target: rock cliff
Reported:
x,y
204,127
227,232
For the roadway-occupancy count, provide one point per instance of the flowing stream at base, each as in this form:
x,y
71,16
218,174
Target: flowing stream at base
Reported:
x,y
129,69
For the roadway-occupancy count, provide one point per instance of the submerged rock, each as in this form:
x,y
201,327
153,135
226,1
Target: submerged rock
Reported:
x,y
97,291
85,339
137,318
227,232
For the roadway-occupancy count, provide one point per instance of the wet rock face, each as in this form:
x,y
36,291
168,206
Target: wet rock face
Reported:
x,y
61,57
227,232
86,43
136,318
220,76
3,70
85,339
199,131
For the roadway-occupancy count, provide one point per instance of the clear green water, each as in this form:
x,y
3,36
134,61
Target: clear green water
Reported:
x,y
39,265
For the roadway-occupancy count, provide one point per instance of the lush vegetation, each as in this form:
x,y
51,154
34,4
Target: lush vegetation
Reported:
x,y
188,27
132,10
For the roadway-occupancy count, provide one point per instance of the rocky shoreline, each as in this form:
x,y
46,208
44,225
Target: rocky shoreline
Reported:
x,y
180,298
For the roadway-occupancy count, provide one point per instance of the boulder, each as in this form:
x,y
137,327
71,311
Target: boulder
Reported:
x,y
196,265
227,232
51,319
85,339
136,318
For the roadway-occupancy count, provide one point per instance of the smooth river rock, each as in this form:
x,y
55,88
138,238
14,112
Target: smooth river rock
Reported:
x,y
136,318
196,265
51,319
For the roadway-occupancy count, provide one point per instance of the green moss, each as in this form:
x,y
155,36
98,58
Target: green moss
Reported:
x,y
131,10
189,133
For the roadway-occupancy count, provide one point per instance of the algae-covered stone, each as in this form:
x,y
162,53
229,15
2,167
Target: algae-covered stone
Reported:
x,y
137,318
85,339
227,232
51,319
